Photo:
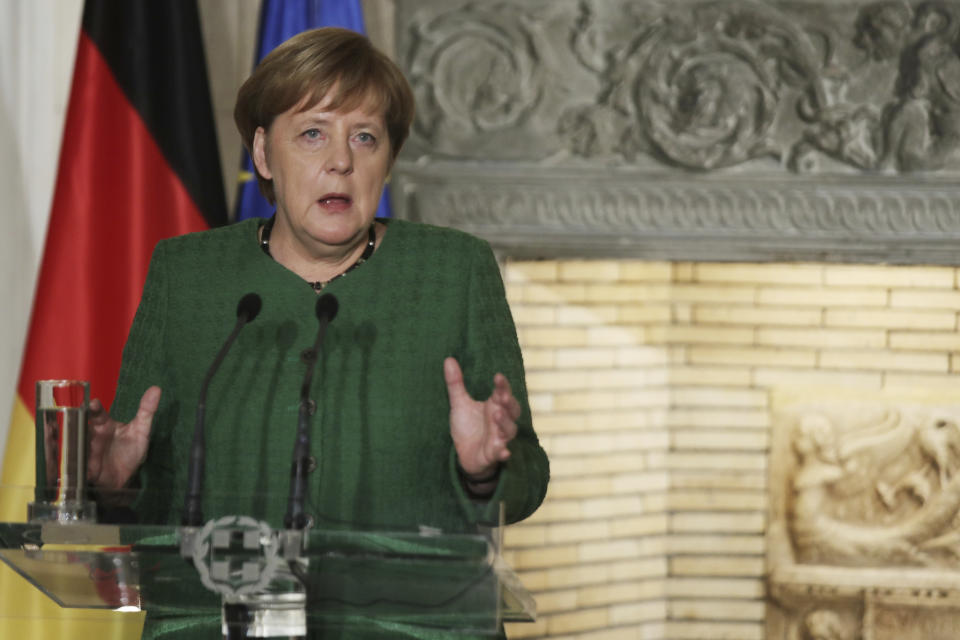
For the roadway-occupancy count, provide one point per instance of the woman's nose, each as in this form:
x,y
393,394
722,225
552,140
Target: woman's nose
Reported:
x,y
340,159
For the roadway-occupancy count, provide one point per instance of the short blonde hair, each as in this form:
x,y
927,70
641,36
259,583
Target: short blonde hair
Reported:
x,y
306,68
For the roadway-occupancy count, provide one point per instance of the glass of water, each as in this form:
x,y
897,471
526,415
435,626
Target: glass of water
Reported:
x,y
62,407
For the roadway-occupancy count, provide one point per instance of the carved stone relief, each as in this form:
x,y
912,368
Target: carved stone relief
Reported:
x,y
863,536
844,113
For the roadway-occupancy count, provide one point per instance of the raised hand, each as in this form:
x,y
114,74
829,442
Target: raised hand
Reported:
x,y
481,430
117,450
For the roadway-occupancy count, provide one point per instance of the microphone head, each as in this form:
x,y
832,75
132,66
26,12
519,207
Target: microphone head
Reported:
x,y
327,307
249,306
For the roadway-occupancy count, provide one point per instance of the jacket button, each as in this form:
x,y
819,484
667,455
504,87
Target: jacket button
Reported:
x,y
311,464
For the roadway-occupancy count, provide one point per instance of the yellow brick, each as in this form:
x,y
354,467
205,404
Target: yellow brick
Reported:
x,y
609,550
925,299
640,270
809,274
822,338
699,335
645,631
705,293
694,417
553,601
713,631
575,575
607,594
638,612
641,356
589,270
586,400
713,461
552,293
545,557
614,442
585,358
718,397
884,360
577,621
590,315
727,376
732,478
893,380
643,313
750,315
713,609
552,337
645,526
526,314
954,363
540,402
821,297
744,566
538,358
890,318
519,630
683,271
524,535
717,522
773,377
607,507
643,481
756,356
578,532
556,510
925,340
728,544
716,500
719,439
652,569
514,293
616,336
709,587
610,420
580,487
528,271
635,293
888,276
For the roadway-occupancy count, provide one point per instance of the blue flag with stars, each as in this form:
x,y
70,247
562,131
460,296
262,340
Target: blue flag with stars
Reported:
x,y
279,21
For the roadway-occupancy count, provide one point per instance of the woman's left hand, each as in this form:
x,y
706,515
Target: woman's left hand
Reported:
x,y
480,430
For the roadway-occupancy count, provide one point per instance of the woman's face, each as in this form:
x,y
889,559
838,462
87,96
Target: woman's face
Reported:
x,y
328,170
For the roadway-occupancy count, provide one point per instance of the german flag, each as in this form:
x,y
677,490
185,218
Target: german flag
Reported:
x,y
138,163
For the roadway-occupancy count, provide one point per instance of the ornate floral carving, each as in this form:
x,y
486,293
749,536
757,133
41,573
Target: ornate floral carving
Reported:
x,y
877,494
473,69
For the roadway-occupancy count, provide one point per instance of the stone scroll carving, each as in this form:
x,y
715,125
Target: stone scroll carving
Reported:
x,y
884,493
865,493
528,108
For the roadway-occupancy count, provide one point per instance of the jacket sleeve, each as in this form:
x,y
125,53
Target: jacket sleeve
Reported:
x,y
143,365
491,346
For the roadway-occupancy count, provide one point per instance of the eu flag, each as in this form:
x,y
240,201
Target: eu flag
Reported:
x,y
280,20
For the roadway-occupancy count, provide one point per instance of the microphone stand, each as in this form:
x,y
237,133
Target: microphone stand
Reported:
x,y
296,518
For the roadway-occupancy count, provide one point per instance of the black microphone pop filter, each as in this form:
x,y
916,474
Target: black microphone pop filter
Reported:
x,y
249,306
327,307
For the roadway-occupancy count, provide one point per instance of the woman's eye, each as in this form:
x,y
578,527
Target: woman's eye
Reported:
x,y
312,134
365,138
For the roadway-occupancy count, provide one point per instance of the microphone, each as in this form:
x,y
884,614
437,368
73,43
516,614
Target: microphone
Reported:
x,y
326,311
247,310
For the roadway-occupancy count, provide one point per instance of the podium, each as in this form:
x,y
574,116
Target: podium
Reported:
x,y
257,581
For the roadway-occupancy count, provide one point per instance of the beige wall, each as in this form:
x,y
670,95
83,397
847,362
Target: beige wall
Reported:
x,y
649,383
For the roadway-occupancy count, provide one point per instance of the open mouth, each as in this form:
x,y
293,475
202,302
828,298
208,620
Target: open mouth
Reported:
x,y
336,200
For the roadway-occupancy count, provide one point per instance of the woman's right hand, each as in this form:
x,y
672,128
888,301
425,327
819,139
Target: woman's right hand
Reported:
x,y
117,450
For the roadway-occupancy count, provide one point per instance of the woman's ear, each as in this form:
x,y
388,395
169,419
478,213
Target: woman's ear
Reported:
x,y
259,155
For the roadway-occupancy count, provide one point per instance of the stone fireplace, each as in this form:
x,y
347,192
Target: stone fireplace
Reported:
x,y
729,237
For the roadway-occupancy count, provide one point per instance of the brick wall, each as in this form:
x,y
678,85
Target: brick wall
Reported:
x,y
649,385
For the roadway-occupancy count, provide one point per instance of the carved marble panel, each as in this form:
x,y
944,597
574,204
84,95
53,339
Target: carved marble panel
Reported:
x,y
865,508
743,129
